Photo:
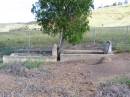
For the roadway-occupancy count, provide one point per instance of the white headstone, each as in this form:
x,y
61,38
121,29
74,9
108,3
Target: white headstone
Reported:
x,y
54,50
108,48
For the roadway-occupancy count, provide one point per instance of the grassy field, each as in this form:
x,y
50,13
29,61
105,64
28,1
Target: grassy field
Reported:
x,y
25,38
11,41
111,16
120,37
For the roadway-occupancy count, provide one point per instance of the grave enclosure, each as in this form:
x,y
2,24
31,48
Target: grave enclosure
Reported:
x,y
24,39
77,55
66,55
33,57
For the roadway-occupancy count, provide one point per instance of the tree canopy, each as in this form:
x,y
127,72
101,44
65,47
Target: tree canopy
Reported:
x,y
69,17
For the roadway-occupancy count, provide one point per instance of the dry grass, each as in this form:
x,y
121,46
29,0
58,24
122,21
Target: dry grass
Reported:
x,y
111,16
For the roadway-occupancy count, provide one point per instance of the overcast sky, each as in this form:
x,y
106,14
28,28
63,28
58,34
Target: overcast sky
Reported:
x,y
16,11
20,10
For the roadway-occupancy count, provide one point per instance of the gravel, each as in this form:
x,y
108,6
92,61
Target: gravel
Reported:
x,y
16,70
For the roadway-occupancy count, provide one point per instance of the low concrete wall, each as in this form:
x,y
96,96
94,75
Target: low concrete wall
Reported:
x,y
66,55
76,57
66,51
22,59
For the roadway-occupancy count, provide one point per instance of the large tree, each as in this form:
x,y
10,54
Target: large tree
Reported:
x,y
67,17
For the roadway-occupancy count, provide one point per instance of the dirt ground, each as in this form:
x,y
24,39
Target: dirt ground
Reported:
x,y
68,79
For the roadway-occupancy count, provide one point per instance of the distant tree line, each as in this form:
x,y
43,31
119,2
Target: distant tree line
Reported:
x,y
115,4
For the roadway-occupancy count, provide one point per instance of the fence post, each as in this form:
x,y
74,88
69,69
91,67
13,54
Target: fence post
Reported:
x,y
126,37
29,42
94,36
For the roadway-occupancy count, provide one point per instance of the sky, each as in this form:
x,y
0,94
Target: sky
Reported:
x,y
12,11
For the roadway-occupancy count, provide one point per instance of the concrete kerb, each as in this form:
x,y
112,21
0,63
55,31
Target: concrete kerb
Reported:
x,y
75,57
23,57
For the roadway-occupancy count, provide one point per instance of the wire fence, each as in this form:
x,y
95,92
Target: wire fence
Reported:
x,y
23,40
119,36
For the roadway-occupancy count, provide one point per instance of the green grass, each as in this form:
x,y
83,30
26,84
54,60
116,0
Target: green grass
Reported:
x,y
21,38
32,65
2,66
122,80
12,41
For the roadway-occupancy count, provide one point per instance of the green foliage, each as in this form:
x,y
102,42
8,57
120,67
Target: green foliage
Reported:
x,y
69,17
31,65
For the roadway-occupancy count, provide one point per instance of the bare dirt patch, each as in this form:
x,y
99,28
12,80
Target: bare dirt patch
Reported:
x,y
69,79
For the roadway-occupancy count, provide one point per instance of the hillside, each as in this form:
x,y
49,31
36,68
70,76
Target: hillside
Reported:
x,y
10,26
13,26
106,17
111,16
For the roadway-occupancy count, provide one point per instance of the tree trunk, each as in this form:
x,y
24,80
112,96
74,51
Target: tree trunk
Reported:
x,y
60,46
